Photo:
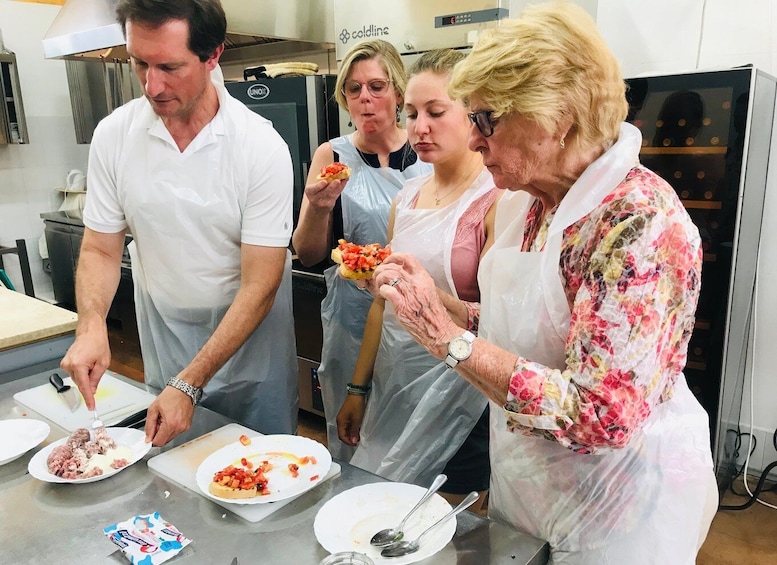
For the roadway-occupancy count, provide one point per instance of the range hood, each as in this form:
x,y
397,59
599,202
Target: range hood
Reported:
x,y
85,29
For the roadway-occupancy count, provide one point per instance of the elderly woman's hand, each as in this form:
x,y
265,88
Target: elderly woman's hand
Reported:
x,y
402,280
323,195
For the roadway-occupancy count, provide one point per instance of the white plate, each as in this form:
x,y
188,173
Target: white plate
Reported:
x,y
278,449
348,521
130,437
19,435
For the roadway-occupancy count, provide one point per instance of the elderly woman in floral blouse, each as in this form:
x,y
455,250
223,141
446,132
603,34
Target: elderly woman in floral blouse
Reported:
x,y
588,287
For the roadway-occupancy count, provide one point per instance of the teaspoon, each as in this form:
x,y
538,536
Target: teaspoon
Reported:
x,y
401,548
391,535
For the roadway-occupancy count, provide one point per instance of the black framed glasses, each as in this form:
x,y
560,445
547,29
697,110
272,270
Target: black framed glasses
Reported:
x,y
352,89
484,122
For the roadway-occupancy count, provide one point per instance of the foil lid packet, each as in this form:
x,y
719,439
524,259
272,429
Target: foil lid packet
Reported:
x,y
147,540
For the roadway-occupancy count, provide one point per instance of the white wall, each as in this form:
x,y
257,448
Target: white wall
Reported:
x,y
655,36
30,173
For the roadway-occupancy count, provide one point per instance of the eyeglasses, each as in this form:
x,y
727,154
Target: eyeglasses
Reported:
x,y
377,88
484,122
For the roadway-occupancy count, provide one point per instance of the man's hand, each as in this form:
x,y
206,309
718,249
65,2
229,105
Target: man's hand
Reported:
x,y
87,359
169,415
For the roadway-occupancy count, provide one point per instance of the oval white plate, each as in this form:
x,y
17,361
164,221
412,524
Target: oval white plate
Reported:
x,y
19,435
348,521
282,450
132,438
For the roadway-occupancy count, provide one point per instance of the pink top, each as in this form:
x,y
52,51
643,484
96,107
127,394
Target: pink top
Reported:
x,y
467,245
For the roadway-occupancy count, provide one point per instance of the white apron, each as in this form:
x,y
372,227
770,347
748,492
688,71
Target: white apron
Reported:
x,y
366,202
641,504
185,216
419,411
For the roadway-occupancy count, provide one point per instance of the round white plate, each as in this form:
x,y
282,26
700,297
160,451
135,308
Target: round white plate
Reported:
x,y
19,435
348,521
132,438
281,450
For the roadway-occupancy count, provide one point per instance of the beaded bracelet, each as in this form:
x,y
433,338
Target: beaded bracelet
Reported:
x,y
358,390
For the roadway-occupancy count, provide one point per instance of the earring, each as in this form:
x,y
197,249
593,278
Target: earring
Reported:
x,y
350,121
399,111
563,144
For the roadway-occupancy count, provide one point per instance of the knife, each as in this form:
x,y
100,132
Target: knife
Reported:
x,y
133,421
65,392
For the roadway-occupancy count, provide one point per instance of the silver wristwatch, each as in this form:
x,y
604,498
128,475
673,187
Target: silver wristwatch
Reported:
x,y
459,349
191,391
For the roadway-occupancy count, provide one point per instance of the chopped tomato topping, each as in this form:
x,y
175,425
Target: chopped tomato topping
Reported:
x,y
362,257
314,478
245,440
331,170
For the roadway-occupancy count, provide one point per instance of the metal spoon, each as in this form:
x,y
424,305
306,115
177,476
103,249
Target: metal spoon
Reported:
x,y
391,535
401,548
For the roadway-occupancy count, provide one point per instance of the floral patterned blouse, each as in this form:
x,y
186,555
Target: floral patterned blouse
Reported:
x,y
631,271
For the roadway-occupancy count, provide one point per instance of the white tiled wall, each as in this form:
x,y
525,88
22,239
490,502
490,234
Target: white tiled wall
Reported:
x,y
648,36
29,174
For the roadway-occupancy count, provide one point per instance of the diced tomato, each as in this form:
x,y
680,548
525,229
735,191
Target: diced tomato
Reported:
x,y
294,468
332,169
245,440
314,478
362,257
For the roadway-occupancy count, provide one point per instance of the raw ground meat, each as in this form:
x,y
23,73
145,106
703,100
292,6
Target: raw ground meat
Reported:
x,y
70,460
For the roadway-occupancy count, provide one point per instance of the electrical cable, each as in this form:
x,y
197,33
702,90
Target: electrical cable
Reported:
x,y
753,319
701,33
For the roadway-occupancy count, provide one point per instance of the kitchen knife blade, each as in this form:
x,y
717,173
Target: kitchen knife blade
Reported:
x,y
65,392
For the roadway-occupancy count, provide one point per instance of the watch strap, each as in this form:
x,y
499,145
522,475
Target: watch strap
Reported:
x,y
191,391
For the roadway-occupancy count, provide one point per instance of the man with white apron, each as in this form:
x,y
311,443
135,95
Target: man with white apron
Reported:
x,y
419,412
366,202
640,504
205,187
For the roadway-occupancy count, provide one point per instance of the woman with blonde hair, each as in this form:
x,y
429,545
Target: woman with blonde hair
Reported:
x,y
589,285
370,87
419,419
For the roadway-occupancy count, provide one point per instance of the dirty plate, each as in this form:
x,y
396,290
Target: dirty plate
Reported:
x,y
134,439
280,450
348,521
19,435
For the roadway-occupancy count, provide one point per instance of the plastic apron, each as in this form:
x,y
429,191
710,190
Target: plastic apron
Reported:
x,y
366,202
419,411
639,504
185,216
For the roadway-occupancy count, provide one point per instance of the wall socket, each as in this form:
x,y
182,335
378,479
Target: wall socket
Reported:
x,y
763,455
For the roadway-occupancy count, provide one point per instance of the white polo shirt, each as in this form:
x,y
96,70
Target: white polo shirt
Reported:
x,y
189,212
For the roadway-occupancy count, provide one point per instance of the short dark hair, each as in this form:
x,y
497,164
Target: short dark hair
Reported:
x,y
206,18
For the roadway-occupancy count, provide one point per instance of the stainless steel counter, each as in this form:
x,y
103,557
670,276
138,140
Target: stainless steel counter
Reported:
x,y
62,523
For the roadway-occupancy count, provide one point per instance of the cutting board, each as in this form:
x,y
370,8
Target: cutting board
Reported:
x,y
114,401
180,466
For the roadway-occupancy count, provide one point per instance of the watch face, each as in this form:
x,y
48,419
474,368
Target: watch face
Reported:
x,y
459,348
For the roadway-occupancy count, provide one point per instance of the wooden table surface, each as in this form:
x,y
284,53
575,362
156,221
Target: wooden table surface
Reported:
x,y
25,320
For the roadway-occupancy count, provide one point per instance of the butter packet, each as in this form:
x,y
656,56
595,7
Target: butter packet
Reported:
x,y
147,540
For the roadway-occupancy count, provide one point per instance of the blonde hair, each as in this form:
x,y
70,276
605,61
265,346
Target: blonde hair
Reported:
x,y
548,65
388,57
439,62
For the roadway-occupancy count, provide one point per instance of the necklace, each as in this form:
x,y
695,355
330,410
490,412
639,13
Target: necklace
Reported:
x,y
437,199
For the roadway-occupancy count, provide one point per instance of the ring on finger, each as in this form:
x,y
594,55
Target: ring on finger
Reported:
x,y
393,282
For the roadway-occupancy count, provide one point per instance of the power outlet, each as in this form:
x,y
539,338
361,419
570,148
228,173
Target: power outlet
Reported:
x,y
763,454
